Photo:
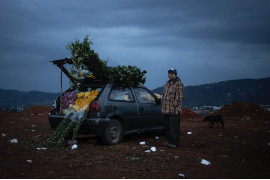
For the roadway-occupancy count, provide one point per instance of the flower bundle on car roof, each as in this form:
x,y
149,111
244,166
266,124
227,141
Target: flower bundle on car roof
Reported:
x,y
125,75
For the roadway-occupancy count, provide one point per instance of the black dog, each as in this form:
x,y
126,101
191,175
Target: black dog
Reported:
x,y
214,119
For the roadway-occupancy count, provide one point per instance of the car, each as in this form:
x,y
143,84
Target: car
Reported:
x,y
116,111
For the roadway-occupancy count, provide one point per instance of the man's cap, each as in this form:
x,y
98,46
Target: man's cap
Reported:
x,y
173,71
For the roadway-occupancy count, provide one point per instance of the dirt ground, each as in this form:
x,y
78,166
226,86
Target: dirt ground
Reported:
x,y
240,150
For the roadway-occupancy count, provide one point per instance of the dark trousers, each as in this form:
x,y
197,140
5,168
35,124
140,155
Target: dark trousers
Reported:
x,y
172,128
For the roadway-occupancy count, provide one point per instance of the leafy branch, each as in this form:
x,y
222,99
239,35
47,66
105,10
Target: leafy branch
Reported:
x,y
125,75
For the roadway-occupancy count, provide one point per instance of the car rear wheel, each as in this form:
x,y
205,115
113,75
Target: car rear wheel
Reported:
x,y
113,133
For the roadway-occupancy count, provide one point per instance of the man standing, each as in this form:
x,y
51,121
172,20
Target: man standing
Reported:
x,y
172,97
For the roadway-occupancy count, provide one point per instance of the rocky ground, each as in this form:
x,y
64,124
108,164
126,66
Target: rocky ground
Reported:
x,y
240,150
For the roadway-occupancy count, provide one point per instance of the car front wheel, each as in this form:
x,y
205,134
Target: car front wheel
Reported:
x,y
113,133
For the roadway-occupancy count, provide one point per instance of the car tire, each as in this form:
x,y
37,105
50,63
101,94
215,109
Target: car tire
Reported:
x,y
113,133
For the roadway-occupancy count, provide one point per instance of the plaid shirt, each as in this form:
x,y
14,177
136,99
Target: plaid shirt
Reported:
x,y
172,97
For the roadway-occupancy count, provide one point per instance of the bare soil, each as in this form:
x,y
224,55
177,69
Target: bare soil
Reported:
x,y
240,150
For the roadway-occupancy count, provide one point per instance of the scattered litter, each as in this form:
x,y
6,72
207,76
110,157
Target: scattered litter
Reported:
x,y
4,135
189,133
42,148
74,146
142,143
181,175
32,114
14,141
74,142
162,150
268,144
33,125
29,161
40,114
156,137
224,156
37,136
176,157
33,130
153,149
147,151
205,162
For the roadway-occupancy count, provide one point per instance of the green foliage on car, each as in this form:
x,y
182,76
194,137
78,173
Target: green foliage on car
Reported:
x,y
125,75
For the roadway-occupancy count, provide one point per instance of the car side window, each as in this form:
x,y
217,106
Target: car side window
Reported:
x,y
119,93
144,96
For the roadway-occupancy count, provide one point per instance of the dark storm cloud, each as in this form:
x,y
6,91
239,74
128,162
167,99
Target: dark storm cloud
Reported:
x,y
217,39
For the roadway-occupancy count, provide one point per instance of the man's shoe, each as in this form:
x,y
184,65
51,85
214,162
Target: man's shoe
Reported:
x,y
172,145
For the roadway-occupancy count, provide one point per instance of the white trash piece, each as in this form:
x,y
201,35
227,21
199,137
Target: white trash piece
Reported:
x,y
142,143
153,149
181,175
156,137
74,146
29,161
14,141
42,148
147,151
189,133
205,162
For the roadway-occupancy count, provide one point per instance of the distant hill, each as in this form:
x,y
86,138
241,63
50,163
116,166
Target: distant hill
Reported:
x,y
220,93
226,92
15,97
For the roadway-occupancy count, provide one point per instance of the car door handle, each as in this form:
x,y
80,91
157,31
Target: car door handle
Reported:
x,y
142,109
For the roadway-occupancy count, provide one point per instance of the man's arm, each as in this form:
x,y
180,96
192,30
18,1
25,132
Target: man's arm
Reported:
x,y
179,94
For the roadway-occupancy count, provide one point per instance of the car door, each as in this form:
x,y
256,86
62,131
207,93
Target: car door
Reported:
x,y
125,106
149,108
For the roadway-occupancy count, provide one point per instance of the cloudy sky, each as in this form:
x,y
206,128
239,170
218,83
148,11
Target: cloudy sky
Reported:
x,y
205,40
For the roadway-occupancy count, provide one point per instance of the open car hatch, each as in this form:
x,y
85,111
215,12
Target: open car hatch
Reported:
x,y
93,65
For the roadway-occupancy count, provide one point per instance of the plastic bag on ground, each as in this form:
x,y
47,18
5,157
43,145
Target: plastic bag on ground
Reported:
x,y
205,162
142,143
181,175
74,146
14,141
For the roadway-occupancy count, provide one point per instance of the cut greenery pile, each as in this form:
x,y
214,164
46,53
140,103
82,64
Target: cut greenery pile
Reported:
x,y
125,75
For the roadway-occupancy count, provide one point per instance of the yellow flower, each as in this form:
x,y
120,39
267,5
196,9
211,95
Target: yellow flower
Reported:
x,y
91,76
83,100
157,95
